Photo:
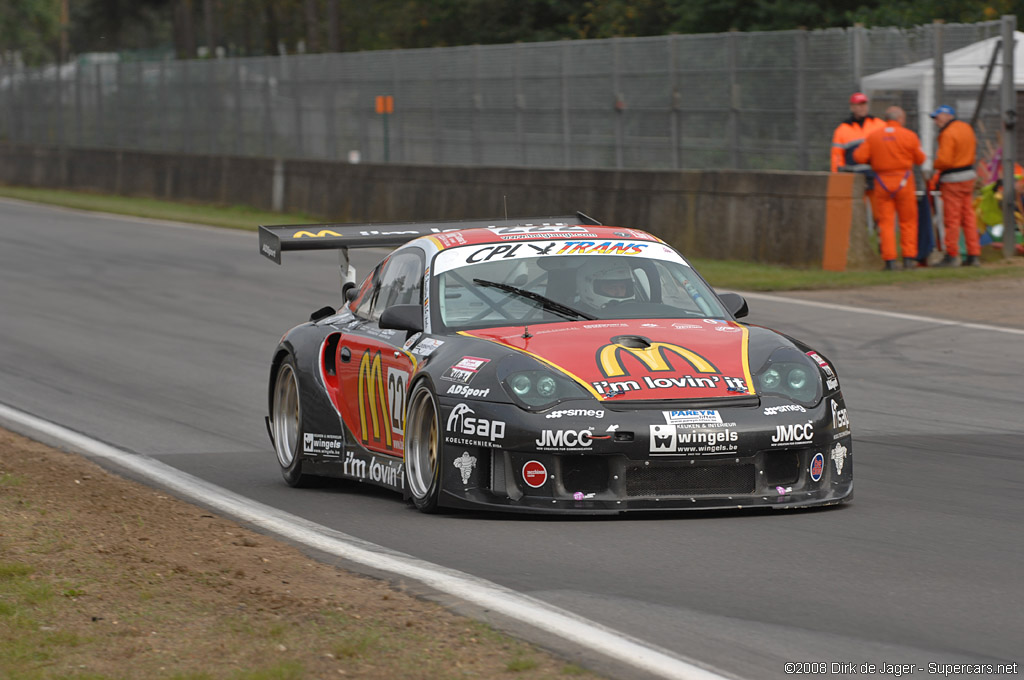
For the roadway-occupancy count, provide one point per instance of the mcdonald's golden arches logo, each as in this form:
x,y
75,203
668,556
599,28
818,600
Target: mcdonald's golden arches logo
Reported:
x,y
653,355
320,234
372,394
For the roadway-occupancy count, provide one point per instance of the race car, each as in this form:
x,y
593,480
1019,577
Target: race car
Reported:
x,y
549,365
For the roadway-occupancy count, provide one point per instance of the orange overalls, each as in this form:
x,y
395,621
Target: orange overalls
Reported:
x,y
848,133
954,172
893,151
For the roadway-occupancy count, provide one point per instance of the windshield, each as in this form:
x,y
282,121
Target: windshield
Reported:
x,y
534,284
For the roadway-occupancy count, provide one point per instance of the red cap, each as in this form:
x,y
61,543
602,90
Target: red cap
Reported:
x,y
858,98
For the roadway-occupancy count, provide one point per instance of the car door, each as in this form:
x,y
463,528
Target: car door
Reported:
x,y
373,367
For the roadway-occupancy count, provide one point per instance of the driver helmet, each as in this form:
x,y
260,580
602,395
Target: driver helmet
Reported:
x,y
600,283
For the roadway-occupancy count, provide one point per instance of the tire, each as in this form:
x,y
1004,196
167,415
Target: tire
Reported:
x,y
286,424
423,449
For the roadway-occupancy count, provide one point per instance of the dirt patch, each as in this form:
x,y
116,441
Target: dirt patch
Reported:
x,y
101,577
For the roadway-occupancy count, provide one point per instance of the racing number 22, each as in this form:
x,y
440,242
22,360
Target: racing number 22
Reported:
x,y
396,399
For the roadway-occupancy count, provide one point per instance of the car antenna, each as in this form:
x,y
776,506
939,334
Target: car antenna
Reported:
x,y
504,200
526,333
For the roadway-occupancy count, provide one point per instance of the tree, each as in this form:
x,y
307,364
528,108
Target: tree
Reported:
x,y
116,25
31,29
915,12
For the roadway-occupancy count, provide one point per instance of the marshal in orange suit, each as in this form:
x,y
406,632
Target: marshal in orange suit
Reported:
x,y
892,152
955,176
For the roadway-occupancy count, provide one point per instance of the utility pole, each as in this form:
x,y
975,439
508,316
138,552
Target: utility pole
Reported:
x,y
1009,97
940,65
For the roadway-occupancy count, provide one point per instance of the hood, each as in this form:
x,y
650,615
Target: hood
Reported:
x,y
640,359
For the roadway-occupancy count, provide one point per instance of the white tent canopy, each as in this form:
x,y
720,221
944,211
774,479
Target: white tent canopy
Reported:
x,y
963,69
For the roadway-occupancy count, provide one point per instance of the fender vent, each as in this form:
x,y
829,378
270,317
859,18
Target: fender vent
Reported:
x,y
330,357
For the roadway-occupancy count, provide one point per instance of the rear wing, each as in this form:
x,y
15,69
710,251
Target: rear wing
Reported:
x,y
274,239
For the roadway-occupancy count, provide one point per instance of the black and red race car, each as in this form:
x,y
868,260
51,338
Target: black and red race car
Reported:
x,y
549,365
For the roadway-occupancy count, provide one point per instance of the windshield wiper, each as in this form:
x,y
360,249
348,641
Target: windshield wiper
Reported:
x,y
546,302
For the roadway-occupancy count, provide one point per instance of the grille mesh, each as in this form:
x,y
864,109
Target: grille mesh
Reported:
x,y
691,480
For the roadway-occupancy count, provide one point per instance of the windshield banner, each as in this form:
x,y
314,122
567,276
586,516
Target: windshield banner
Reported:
x,y
465,256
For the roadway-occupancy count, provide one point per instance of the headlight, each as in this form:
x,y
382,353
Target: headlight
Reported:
x,y
520,384
540,388
791,374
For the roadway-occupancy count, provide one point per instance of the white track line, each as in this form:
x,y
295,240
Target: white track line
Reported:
x,y
876,312
490,596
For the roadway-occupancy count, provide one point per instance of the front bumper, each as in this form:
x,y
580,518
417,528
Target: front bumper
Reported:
x,y
609,483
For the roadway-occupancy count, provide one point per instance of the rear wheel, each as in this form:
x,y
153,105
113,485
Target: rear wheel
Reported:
x,y
423,449
286,424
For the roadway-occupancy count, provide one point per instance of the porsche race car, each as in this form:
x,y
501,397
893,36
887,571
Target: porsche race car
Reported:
x,y
548,365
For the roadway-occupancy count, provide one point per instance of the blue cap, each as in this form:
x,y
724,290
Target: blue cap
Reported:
x,y
944,109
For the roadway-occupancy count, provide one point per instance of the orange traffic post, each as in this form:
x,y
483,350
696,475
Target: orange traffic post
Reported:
x,y
385,104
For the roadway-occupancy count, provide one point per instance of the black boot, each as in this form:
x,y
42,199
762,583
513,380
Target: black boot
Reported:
x,y
973,261
909,263
890,266
949,261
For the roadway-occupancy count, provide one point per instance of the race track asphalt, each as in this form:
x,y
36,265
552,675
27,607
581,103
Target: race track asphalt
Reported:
x,y
156,338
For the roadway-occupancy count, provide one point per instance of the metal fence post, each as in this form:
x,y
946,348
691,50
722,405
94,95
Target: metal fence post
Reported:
x,y
517,66
858,36
617,110
163,129
12,133
59,113
478,106
78,105
115,110
566,151
734,99
296,88
330,129
397,129
268,122
239,116
675,102
801,99
1009,96
30,112
939,66
212,104
435,117
101,120
186,111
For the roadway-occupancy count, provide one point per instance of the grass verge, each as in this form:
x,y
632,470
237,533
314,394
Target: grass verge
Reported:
x,y
232,217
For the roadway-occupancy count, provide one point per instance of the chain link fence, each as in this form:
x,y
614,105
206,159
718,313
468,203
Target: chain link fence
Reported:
x,y
753,101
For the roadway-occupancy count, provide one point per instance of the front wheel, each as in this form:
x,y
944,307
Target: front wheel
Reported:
x,y
286,424
423,449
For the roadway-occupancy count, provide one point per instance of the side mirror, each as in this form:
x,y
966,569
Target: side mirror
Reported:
x,y
403,318
735,303
323,313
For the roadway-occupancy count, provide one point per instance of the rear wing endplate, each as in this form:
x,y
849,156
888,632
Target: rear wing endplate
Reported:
x,y
274,239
